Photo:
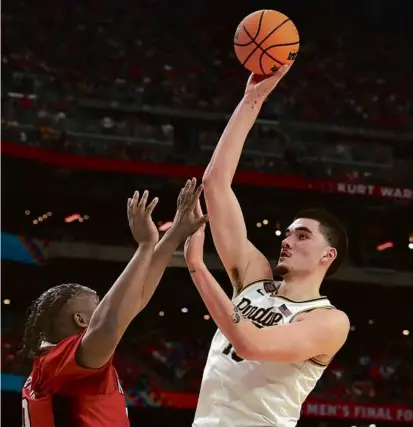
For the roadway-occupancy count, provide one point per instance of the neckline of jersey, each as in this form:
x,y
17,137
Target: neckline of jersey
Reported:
x,y
322,297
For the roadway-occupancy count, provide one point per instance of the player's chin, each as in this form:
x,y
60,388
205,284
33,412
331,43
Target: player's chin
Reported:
x,y
282,269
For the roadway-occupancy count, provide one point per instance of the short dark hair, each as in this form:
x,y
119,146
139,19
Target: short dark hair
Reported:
x,y
333,231
41,315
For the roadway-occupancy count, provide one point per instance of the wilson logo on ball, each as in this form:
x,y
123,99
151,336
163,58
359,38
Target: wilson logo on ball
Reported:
x,y
292,56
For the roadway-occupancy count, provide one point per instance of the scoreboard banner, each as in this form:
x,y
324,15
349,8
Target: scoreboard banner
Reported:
x,y
322,409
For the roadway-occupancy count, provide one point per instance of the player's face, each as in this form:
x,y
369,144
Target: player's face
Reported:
x,y
304,249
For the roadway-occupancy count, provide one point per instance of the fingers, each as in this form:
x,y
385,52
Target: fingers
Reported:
x,y
151,206
143,200
282,71
273,80
129,207
198,209
195,198
135,206
187,197
202,221
134,203
184,193
192,186
179,201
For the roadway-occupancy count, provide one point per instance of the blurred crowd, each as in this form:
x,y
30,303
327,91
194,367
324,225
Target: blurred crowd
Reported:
x,y
116,52
269,147
363,373
101,80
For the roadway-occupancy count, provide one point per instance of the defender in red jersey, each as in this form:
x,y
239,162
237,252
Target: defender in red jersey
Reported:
x,y
72,337
60,392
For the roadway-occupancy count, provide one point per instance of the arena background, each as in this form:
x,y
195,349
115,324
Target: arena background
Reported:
x,y
102,98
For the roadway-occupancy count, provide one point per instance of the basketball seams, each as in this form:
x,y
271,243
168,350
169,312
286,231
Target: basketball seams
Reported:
x,y
259,25
260,64
252,39
263,53
280,45
258,45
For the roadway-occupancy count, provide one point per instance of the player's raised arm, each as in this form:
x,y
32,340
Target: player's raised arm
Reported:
x,y
243,262
124,300
136,285
320,332
184,224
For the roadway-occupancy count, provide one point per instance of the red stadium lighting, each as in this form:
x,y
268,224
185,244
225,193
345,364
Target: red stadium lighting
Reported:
x,y
73,217
384,246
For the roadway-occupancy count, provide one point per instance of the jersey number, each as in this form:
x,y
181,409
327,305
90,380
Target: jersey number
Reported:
x,y
234,356
25,413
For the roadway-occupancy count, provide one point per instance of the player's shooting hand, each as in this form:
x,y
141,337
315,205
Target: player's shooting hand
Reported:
x,y
140,220
186,220
259,87
194,245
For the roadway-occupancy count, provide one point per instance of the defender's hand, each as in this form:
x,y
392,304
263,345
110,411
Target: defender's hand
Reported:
x,y
259,87
194,245
140,221
186,220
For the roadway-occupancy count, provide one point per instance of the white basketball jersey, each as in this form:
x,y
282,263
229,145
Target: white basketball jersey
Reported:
x,y
245,393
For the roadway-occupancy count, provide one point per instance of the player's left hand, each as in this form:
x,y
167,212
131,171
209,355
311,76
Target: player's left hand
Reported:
x,y
194,245
186,220
259,87
140,220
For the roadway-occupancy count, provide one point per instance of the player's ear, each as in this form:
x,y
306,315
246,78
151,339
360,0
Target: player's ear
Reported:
x,y
80,320
330,255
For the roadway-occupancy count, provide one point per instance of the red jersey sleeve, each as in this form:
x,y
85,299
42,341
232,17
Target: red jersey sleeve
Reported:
x,y
59,366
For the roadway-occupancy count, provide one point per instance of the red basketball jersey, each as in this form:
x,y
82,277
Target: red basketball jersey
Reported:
x,y
85,397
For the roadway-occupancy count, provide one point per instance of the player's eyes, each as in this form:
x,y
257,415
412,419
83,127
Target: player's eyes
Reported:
x,y
302,237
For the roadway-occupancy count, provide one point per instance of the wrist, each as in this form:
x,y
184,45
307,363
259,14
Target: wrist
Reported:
x,y
147,245
253,101
174,236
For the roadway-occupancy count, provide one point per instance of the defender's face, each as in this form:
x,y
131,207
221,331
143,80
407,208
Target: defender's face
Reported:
x,y
304,248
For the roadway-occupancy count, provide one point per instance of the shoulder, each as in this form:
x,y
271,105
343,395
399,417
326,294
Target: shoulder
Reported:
x,y
62,345
328,329
60,365
54,355
330,320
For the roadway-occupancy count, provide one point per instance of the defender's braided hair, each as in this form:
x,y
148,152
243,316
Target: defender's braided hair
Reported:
x,y
41,316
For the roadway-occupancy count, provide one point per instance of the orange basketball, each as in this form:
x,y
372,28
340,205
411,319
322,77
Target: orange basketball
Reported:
x,y
266,40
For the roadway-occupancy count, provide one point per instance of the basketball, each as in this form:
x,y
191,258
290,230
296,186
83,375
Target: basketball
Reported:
x,y
265,40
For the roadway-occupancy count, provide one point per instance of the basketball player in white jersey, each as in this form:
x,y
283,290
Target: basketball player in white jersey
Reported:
x,y
275,338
